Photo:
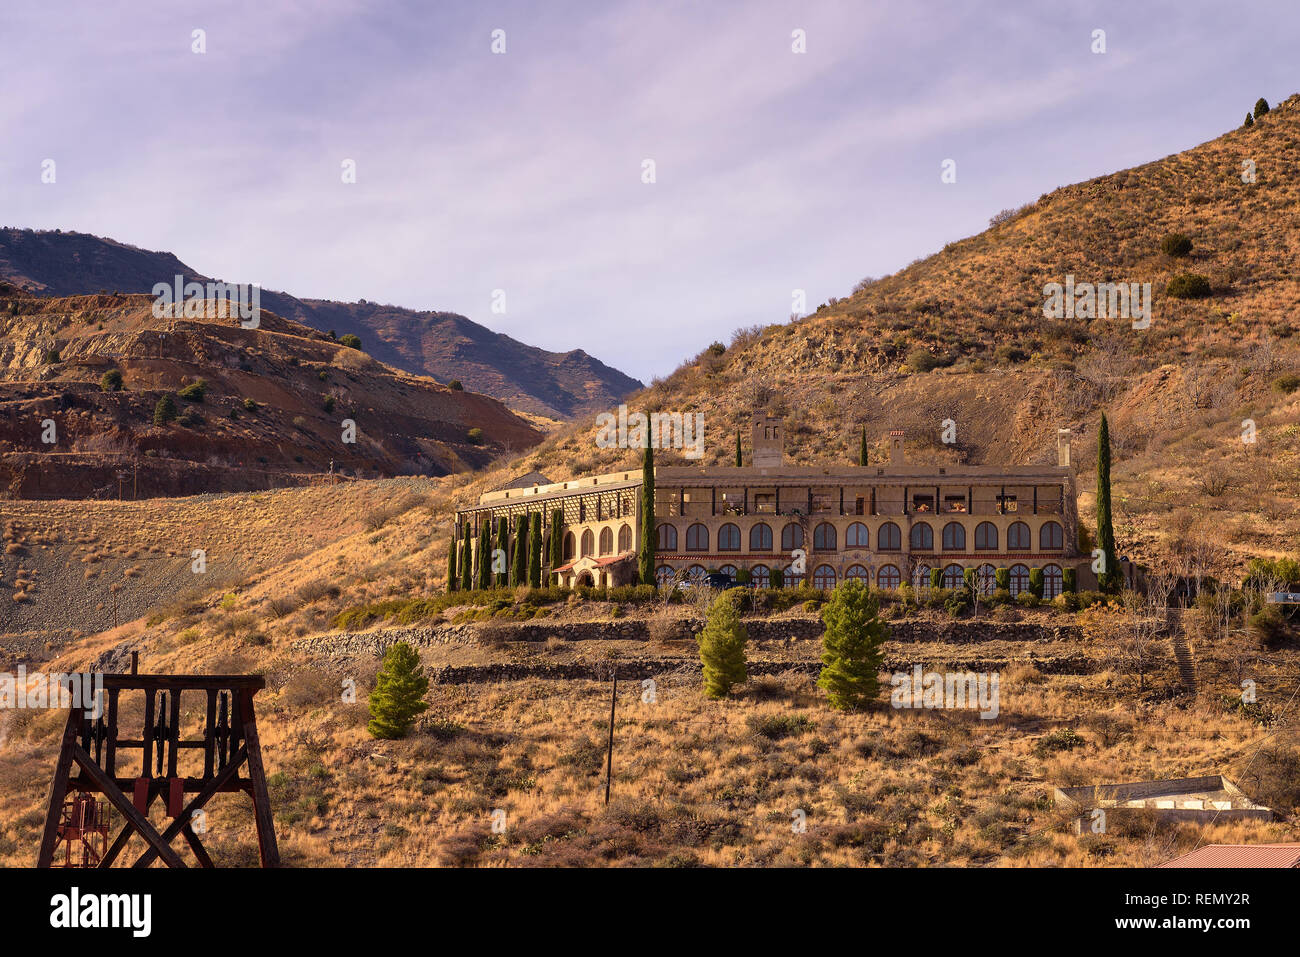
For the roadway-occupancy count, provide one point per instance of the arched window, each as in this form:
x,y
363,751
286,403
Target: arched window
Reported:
x,y
667,538
858,573
986,579
1051,581
588,542
761,575
697,538
824,538
729,570
790,578
824,577
696,574
1050,536
888,576
568,546
791,537
1019,579
889,538
1018,536
664,574
760,538
857,536
986,536
921,577
922,537
952,576
728,538
606,541
954,537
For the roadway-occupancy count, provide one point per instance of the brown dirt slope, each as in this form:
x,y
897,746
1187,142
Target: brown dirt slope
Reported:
x,y
273,413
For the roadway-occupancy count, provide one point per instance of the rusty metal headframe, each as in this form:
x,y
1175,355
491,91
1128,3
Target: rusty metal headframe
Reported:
x,y
92,748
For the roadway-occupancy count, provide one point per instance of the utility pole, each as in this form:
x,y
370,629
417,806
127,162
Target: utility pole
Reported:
x,y
613,700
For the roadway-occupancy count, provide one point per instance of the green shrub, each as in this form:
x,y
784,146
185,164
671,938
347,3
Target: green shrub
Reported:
x,y
1036,582
1027,599
165,410
112,381
1177,245
1002,579
194,392
250,405
1188,285
1063,739
474,436
1287,384
52,357
774,727
351,341
328,404
1069,580
455,385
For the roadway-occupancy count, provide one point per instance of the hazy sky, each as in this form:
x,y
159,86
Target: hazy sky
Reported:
x,y
522,171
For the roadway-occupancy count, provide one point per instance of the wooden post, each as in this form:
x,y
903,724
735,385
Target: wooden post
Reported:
x,y
609,763
270,852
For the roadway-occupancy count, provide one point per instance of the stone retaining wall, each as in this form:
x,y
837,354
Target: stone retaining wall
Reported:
x,y
374,643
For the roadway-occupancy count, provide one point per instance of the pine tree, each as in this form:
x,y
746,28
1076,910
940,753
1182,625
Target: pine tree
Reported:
x,y
862,451
399,693
453,573
853,646
648,531
1250,120
466,558
722,647
519,570
1261,107
503,543
535,552
165,410
739,461
1109,578
557,538
483,571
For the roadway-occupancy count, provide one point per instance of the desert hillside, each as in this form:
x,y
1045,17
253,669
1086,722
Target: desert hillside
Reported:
x,y
447,346
962,335
254,408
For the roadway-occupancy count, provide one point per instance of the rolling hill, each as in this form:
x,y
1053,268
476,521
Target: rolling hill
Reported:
x,y
81,378
444,345
962,334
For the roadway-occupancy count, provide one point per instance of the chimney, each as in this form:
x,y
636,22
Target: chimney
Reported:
x,y
767,439
896,447
1063,448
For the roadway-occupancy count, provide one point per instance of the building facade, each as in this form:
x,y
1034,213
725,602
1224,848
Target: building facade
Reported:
x,y
883,524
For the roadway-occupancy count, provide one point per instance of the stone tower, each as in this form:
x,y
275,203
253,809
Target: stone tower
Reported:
x,y
767,439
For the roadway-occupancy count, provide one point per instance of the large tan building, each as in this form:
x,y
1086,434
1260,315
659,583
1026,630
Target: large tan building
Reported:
x,y
884,524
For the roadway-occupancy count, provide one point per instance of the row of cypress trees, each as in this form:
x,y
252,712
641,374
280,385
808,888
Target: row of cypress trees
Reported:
x,y
470,567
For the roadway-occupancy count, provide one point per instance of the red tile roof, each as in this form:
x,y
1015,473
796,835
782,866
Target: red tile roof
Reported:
x,y
1240,855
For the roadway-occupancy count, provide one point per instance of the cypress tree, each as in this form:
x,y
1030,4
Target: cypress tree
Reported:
x,y
722,647
1261,107
503,543
1250,120
557,538
1109,578
853,646
739,461
648,530
399,693
862,451
466,573
535,552
519,570
483,577
453,573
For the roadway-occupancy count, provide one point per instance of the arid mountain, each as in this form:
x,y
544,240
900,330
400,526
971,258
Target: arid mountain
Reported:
x,y
81,377
962,335
444,345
